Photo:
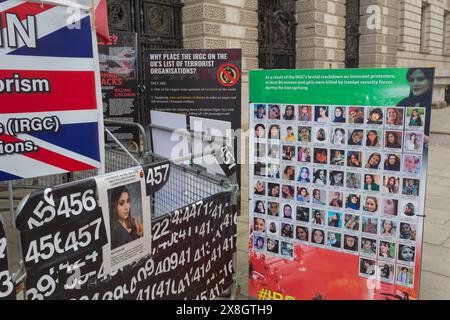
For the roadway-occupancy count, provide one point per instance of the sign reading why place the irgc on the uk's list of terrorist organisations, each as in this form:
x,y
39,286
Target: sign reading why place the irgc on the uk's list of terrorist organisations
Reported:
x,y
49,96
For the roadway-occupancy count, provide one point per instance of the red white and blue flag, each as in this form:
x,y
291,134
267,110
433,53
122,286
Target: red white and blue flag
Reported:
x,y
49,108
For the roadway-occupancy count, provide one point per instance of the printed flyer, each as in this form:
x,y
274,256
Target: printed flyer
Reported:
x,y
337,182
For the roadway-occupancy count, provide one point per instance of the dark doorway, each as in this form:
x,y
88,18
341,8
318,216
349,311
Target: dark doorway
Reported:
x,y
277,34
447,95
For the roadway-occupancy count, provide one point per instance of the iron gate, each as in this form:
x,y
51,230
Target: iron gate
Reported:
x,y
157,23
277,34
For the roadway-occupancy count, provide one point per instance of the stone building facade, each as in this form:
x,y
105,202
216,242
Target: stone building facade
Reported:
x,y
380,33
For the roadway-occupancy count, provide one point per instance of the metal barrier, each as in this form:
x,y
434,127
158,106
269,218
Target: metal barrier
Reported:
x,y
187,184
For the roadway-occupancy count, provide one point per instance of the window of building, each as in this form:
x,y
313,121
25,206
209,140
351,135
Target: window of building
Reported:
x,y
446,45
425,27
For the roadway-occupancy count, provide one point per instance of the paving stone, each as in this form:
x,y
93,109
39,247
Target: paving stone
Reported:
x,y
434,287
436,259
436,234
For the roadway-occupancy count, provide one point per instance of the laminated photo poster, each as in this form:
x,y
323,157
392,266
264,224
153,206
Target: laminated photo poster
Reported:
x,y
338,169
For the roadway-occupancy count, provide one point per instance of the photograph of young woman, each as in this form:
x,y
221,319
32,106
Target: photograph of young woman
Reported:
x,y
321,114
337,158
318,217
320,135
320,177
371,204
318,237
304,134
274,209
412,164
338,137
411,187
288,192
289,113
304,154
388,228
287,230
414,120
336,199
394,139
260,111
353,180
374,161
368,246
339,115
274,132
126,225
370,183
392,162
259,225
394,117
367,267
272,246
258,243
334,219
391,184
407,231
390,207
420,81
288,153
318,197
356,115
304,113
373,139
260,131
287,211
302,214
351,222
274,112
290,135
334,240
355,137
337,178
351,243
302,194
354,159
302,233
260,188
413,141
353,202
386,250
370,225
304,175
289,173
406,253
260,207
375,116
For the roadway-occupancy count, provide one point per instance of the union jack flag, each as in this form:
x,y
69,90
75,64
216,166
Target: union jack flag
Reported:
x,y
64,57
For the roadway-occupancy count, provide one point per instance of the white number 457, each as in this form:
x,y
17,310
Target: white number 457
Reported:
x,y
157,175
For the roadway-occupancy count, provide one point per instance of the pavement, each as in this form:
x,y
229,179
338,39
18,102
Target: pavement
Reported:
x,y
435,282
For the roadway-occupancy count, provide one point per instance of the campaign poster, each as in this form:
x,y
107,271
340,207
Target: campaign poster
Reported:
x,y
126,212
7,287
338,182
118,70
204,85
50,100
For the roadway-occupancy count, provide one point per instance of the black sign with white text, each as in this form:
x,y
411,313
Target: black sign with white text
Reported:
x,y
7,288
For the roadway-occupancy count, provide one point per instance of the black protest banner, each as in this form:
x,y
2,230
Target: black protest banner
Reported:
x,y
118,70
7,287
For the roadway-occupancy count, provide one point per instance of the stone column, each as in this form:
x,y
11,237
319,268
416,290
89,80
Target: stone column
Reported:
x,y
320,34
378,43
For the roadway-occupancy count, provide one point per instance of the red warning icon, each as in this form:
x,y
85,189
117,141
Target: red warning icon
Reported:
x,y
228,75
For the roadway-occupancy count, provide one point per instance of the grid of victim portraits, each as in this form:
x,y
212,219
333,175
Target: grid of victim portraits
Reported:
x,y
344,178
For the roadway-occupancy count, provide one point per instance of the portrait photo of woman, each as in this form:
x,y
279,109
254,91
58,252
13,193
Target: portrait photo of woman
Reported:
x,y
351,222
289,173
274,190
289,112
375,116
273,246
273,171
368,246
304,113
354,159
302,233
318,237
260,111
274,132
406,253
338,137
288,153
394,117
412,164
337,158
408,231
287,230
373,139
353,180
318,217
260,188
415,118
390,207
337,178
274,112
260,131
288,192
260,207
274,151
386,271
370,225
258,242
367,267
420,81
304,134
304,154
405,275
351,243
411,187
274,209
373,161
356,137
386,250
287,211
371,182
339,115
321,114
391,184
392,162
259,225
409,208
303,194
320,156
319,197
393,140
289,135
273,227
370,204
388,228
125,209
353,202
335,219
336,199
320,135
320,177
414,141
304,175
